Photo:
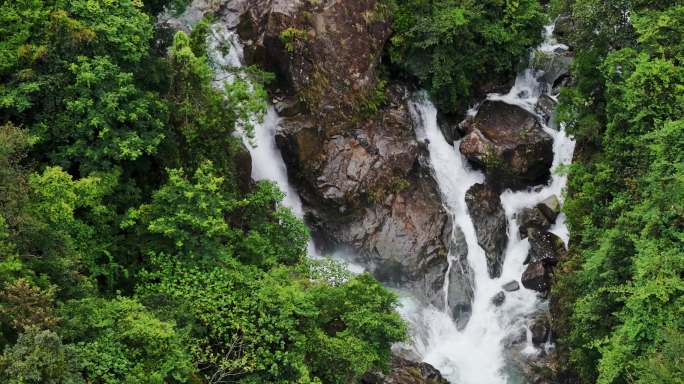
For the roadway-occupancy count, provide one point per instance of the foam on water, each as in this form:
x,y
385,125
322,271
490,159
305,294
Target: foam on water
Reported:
x,y
475,355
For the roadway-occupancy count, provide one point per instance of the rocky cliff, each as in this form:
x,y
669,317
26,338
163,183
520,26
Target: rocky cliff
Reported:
x,y
348,137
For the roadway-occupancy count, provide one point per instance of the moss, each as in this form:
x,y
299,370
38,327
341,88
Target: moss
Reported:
x,y
291,35
379,192
318,85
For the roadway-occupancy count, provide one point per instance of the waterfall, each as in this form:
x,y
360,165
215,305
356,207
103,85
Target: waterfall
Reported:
x,y
475,354
226,53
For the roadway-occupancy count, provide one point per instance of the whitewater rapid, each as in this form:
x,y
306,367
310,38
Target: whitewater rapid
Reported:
x,y
476,354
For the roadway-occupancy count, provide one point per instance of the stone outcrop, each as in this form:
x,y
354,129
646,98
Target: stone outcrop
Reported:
x,y
460,293
540,217
550,207
537,276
499,298
511,286
532,218
546,250
324,53
540,330
489,220
404,371
348,139
545,246
546,107
509,144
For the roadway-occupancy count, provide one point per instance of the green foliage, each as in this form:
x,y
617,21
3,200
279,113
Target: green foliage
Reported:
x,y
198,219
120,341
204,117
280,325
121,174
40,357
290,36
452,45
624,295
106,119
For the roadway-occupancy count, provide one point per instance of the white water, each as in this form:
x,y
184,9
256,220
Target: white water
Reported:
x,y
475,355
226,53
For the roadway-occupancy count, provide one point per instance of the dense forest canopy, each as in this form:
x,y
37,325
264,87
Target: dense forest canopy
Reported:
x,y
130,248
620,294
135,248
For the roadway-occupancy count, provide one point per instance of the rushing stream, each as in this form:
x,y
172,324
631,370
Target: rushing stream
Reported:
x,y
475,354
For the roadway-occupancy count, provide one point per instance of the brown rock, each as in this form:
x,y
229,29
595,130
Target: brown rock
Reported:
x,y
537,276
545,246
509,144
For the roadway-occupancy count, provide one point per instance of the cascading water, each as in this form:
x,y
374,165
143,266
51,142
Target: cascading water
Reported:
x,y
226,53
476,353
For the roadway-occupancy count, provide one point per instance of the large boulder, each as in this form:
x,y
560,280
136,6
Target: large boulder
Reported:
x,y
489,219
370,189
531,218
460,292
537,276
510,144
348,139
366,162
403,239
545,246
403,371
550,207
540,328
546,250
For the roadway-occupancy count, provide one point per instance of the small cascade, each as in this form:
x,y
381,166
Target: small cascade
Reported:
x,y
226,53
477,353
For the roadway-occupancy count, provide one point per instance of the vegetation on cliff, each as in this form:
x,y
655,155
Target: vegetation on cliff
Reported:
x,y
132,246
459,48
620,295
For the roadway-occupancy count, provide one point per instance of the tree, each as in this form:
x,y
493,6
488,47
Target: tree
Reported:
x,y
450,45
39,356
119,341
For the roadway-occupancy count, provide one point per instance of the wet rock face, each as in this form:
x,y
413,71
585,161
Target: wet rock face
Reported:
x,y
550,207
326,52
360,171
540,217
545,107
404,371
537,276
460,293
499,298
530,218
371,189
540,329
509,144
489,219
545,246
403,239
511,286
366,162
